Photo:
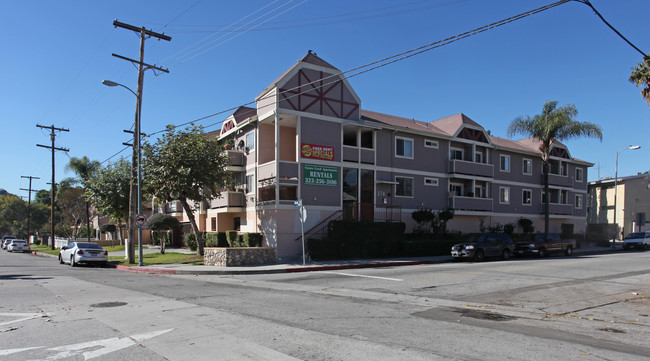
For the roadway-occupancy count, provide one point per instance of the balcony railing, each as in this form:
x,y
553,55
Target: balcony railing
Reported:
x,y
228,199
559,180
471,168
557,208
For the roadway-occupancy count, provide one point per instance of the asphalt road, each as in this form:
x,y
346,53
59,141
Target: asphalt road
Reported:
x,y
559,308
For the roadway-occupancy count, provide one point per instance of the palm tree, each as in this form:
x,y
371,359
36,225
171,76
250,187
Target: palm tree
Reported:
x,y
641,77
554,124
84,168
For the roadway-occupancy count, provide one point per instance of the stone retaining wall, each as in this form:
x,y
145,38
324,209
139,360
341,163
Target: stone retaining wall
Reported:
x,y
229,257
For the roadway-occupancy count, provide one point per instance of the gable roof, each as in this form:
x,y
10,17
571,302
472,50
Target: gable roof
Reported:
x,y
400,122
452,124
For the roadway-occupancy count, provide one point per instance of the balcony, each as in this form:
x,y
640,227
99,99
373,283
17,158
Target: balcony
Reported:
x,y
557,208
457,166
470,203
559,180
228,199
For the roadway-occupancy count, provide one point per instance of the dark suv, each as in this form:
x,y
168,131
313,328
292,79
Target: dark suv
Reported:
x,y
483,246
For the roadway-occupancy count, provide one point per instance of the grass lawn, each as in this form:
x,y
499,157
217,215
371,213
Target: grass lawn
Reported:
x,y
157,258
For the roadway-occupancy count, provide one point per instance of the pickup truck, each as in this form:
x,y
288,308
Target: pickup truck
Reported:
x,y
540,247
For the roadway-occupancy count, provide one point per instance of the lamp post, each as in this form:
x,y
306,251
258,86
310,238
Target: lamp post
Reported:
x,y
137,148
633,147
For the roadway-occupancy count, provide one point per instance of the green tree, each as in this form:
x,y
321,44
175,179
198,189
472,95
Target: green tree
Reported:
x,y
84,168
13,215
185,166
162,222
108,190
43,197
553,124
72,204
641,77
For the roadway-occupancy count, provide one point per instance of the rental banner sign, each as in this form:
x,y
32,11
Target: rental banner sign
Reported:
x,y
321,175
316,151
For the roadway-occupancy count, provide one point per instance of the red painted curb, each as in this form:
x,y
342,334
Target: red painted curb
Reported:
x,y
355,266
146,270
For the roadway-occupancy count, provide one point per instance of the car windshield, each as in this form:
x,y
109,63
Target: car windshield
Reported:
x,y
89,246
635,235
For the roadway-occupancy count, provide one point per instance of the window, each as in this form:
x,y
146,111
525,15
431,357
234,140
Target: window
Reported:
x,y
478,192
366,139
579,174
404,187
431,182
456,189
563,168
478,157
527,197
250,140
578,201
431,143
213,222
564,197
456,153
250,183
350,137
504,195
505,163
404,147
528,167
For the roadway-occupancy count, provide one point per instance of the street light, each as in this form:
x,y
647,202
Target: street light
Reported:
x,y
633,147
137,149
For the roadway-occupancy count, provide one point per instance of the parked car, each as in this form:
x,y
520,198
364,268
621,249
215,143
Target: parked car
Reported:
x,y
538,246
6,240
640,240
83,252
484,246
18,245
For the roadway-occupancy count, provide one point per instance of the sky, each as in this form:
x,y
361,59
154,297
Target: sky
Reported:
x,y
224,53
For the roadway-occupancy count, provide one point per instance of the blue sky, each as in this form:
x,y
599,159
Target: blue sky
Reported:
x,y
57,53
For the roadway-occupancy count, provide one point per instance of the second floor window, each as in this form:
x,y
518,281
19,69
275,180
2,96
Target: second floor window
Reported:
x,y
579,175
250,140
404,147
527,197
455,153
504,195
528,167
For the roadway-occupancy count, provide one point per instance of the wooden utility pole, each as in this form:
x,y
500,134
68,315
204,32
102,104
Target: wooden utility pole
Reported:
x,y
136,194
29,202
53,191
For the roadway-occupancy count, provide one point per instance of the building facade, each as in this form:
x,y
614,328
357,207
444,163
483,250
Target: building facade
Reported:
x,y
309,139
631,206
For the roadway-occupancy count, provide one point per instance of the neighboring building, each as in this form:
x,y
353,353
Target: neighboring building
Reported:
x,y
632,203
308,139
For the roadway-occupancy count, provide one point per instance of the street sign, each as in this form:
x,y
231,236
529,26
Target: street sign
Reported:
x,y
303,214
140,220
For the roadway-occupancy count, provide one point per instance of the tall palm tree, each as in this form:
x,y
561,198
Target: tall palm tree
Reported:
x,y
641,77
554,124
84,168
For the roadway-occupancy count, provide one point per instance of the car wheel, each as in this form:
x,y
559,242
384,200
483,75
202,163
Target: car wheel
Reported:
x,y
542,253
61,260
479,256
505,255
569,251
72,262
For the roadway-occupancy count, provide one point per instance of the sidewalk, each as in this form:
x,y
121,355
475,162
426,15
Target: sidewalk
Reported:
x,y
295,265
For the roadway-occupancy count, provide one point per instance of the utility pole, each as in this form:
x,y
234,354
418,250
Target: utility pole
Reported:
x,y
29,201
52,194
136,196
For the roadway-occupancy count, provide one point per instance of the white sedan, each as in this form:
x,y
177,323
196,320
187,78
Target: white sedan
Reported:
x,y
83,252
18,245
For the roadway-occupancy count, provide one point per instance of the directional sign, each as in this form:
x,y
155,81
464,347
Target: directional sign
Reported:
x,y
140,219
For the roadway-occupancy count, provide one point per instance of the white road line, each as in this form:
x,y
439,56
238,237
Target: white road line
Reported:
x,y
364,276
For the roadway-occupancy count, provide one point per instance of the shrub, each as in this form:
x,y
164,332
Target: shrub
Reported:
x,y
37,242
253,239
509,229
190,241
526,225
566,229
234,240
211,240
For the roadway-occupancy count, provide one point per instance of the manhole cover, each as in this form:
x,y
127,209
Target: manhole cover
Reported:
x,y
108,304
485,315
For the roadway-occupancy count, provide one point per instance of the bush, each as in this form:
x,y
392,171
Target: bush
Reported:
x,y
566,229
37,242
211,240
234,240
350,239
526,225
190,241
253,239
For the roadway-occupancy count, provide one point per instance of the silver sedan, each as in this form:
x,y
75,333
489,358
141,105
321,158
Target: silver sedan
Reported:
x,y
83,252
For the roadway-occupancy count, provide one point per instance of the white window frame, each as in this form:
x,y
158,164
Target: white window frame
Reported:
x,y
582,175
405,140
504,191
246,177
478,191
564,197
431,182
507,157
461,150
478,157
429,143
530,197
412,187
523,166
459,185
578,202
252,137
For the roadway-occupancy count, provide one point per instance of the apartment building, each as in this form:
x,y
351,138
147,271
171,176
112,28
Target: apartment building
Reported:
x,y
309,139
